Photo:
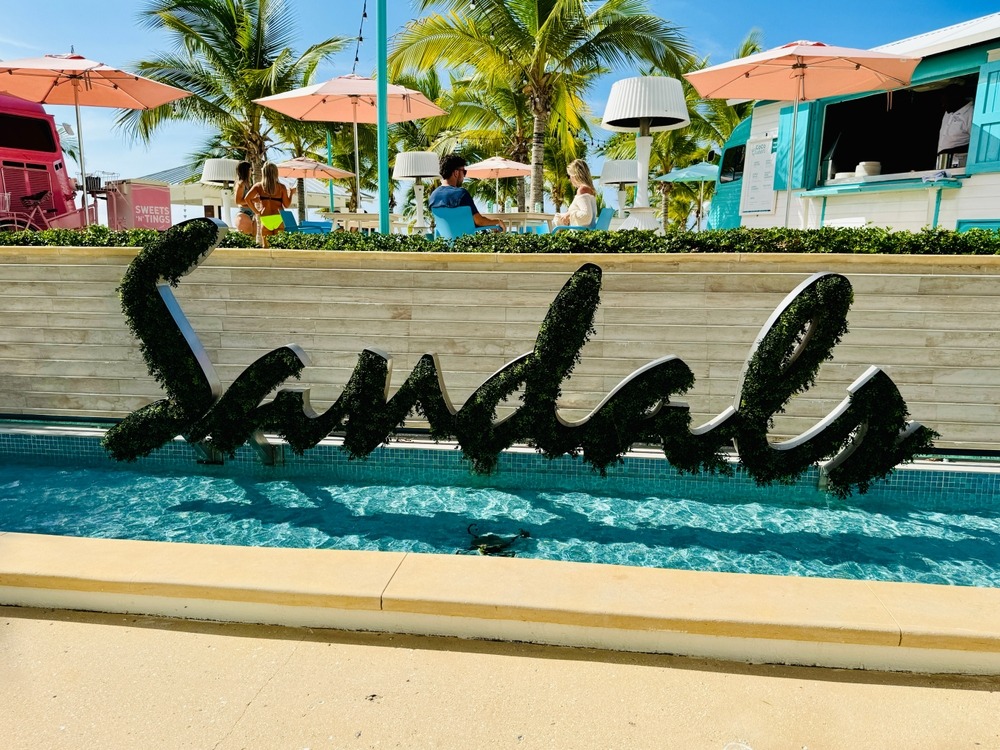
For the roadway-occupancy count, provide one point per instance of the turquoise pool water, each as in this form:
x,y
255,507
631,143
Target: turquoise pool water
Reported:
x,y
395,503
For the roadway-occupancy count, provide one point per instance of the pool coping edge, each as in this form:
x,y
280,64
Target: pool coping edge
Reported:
x,y
734,616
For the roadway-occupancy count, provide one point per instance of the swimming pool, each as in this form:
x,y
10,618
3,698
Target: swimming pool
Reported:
x,y
929,526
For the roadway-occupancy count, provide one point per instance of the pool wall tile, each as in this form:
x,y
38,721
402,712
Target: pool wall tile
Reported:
x,y
940,486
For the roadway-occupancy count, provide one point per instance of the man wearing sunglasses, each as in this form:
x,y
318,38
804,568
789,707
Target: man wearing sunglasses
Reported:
x,y
451,194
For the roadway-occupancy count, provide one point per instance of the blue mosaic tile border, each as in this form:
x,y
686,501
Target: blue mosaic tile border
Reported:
x,y
934,488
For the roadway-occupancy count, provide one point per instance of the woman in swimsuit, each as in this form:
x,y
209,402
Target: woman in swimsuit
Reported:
x,y
246,218
271,196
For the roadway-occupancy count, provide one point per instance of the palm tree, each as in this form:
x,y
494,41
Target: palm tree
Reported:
x,y
552,50
230,53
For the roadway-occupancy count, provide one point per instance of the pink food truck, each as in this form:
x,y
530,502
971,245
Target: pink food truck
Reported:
x,y
36,192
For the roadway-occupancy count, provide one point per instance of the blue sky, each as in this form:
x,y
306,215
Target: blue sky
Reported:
x,y
108,31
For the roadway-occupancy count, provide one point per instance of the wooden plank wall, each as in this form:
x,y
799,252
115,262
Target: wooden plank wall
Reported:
x,y
933,323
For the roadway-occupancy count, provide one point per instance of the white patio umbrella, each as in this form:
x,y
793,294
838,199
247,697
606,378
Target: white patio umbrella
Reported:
x,y
73,79
353,99
801,71
497,167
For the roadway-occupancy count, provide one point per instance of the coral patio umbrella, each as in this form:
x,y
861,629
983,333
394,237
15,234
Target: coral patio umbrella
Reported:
x,y
353,99
73,79
497,167
801,71
303,168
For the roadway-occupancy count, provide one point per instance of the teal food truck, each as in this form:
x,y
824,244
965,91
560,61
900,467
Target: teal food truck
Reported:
x,y
889,159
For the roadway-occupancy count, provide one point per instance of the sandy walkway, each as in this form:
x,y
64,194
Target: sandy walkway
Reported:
x,y
79,680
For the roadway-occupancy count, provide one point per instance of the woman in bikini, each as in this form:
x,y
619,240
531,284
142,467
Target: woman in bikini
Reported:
x,y
271,196
246,218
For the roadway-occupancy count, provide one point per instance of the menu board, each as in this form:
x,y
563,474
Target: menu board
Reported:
x,y
758,196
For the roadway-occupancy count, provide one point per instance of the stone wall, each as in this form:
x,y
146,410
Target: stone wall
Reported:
x,y
933,323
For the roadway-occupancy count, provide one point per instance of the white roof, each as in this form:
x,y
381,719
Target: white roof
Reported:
x,y
964,34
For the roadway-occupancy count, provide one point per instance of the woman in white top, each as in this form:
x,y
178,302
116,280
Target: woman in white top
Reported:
x,y
583,210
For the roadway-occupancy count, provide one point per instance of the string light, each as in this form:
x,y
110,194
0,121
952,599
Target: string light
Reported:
x,y
361,37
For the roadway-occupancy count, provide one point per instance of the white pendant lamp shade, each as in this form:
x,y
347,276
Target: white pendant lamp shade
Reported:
x,y
653,101
411,165
619,172
218,171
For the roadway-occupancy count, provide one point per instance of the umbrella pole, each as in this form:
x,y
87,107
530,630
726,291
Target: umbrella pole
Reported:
x,y
791,153
79,144
357,163
329,162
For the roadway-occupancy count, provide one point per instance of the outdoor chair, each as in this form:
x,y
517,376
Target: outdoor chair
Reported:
x,y
603,221
305,227
451,223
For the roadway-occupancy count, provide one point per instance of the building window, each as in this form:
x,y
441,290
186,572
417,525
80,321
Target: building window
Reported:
x,y
898,129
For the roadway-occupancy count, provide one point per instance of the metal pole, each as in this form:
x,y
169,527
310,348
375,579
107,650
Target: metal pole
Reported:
x,y
383,116
791,145
357,161
329,162
79,145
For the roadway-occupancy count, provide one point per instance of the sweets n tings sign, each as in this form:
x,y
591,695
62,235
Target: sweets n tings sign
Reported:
x,y
860,440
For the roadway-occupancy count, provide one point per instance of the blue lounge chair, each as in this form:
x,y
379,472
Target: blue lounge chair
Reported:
x,y
451,223
306,227
602,221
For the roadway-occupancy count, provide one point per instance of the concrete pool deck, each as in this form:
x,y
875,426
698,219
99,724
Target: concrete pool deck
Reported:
x,y
738,617
75,680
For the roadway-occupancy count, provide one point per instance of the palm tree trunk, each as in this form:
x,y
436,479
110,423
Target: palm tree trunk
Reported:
x,y
664,202
521,196
300,190
537,154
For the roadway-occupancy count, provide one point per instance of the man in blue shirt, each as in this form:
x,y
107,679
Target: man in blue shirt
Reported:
x,y
451,194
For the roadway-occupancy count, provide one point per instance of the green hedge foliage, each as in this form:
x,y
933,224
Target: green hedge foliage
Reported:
x,y
868,241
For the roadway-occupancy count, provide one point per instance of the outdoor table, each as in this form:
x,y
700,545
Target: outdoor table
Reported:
x,y
362,222
524,221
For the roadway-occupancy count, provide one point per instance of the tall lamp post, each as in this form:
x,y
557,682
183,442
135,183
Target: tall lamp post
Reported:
x,y
620,172
414,165
221,173
645,105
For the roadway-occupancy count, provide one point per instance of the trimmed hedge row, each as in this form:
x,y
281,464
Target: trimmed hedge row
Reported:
x,y
825,240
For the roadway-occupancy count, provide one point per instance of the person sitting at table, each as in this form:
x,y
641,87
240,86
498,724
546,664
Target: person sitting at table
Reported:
x,y
583,210
267,198
451,194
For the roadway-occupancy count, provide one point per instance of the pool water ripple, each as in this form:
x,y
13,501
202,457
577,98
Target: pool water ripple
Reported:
x,y
770,536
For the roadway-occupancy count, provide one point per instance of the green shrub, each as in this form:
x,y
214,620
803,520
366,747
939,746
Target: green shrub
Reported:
x,y
869,240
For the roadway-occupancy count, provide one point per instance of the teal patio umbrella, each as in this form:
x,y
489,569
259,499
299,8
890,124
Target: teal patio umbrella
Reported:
x,y
701,173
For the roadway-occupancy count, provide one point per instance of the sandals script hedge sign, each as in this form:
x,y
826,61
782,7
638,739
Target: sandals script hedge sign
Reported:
x,y
861,440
